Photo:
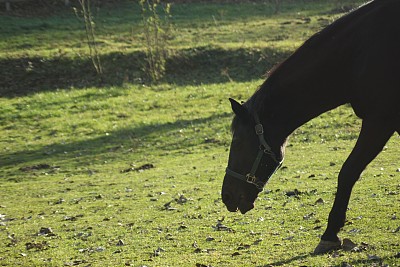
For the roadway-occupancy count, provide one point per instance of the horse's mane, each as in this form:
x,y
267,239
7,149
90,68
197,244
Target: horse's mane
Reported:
x,y
319,40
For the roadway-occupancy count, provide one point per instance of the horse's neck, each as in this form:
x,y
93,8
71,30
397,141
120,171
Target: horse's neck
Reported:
x,y
291,100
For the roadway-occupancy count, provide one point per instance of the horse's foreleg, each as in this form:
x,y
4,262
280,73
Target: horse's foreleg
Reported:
x,y
372,138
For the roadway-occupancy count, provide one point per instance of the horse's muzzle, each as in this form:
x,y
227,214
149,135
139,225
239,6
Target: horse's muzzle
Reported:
x,y
234,205
245,206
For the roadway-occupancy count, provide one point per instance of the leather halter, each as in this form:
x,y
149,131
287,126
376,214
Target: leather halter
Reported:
x,y
265,149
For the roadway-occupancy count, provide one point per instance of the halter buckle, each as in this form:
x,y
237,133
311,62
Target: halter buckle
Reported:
x,y
251,178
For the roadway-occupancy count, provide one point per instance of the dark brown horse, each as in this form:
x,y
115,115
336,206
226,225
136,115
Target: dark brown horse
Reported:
x,y
355,60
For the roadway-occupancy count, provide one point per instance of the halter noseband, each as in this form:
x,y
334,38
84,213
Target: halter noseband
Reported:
x,y
265,149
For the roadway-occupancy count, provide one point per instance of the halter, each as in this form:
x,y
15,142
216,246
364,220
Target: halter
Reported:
x,y
265,149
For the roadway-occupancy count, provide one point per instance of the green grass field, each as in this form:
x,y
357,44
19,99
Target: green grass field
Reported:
x,y
116,172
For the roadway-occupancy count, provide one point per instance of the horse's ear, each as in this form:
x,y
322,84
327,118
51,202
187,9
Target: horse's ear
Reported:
x,y
238,109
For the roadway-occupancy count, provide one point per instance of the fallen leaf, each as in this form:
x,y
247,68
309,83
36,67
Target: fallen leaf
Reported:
x,y
38,246
309,216
72,218
288,238
158,251
182,227
74,263
373,258
295,193
46,231
209,238
243,246
142,168
220,227
60,201
197,250
35,167
355,231
100,249
209,250
181,200
258,241
169,237
167,206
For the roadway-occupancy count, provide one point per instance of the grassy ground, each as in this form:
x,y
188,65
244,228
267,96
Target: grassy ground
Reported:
x,y
117,173
234,41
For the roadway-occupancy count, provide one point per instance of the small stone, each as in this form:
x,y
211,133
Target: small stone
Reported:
x,y
120,243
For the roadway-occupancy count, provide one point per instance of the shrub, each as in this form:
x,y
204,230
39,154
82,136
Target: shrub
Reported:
x,y
157,32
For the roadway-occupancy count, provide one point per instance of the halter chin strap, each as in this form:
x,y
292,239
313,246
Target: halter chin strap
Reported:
x,y
265,149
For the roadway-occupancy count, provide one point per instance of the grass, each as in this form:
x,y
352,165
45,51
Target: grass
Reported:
x,y
207,24
126,174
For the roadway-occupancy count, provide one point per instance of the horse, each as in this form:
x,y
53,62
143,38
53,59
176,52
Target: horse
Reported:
x,y
356,61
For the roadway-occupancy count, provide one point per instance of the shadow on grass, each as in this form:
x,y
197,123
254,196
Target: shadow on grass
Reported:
x,y
287,261
290,261
85,153
205,65
367,262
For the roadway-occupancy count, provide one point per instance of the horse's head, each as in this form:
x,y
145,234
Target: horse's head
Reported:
x,y
251,161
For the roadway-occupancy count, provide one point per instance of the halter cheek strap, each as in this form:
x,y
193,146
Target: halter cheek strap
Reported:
x,y
264,149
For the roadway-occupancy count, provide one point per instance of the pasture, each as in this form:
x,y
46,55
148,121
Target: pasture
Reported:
x,y
115,171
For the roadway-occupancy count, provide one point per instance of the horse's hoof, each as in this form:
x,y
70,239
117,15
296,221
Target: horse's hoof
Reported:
x,y
326,246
